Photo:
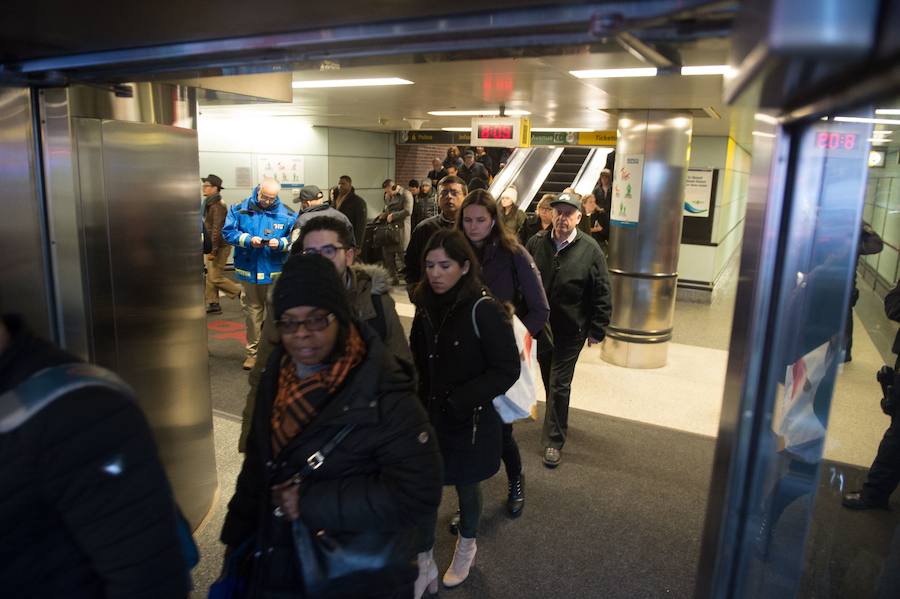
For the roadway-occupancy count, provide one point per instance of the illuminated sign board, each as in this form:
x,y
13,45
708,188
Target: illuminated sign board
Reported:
x,y
505,132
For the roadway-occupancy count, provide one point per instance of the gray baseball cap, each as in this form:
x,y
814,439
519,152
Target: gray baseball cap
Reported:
x,y
570,199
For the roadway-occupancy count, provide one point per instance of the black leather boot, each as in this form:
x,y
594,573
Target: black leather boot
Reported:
x,y
515,503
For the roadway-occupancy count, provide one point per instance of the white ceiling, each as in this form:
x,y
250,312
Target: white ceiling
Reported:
x,y
540,85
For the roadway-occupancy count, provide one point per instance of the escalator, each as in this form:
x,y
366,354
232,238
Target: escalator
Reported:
x,y
562,175
539,170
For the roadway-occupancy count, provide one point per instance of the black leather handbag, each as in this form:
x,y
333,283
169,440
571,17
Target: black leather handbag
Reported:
x,y
387,235
350,563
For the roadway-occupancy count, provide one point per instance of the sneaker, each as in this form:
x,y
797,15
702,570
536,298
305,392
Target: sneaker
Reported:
x,y
250,362
213,309
552,456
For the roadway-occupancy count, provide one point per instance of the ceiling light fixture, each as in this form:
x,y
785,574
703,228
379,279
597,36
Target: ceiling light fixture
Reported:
x,y
456,129
765,118
323,83
612,73
485,112
562,129
887,111
713,69
882,132
763,134
859,119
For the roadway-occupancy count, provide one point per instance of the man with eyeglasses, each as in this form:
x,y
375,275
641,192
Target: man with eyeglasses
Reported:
x,y
368,289
573,270
451,193
259,228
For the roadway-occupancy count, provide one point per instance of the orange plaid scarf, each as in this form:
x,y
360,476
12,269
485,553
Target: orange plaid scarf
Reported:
x,y
298,400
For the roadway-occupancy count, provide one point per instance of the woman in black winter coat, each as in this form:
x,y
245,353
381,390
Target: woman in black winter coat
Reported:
x,y
465,351
511,276
384,478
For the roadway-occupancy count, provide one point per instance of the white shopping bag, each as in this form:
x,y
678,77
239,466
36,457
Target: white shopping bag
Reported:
x,y
520,402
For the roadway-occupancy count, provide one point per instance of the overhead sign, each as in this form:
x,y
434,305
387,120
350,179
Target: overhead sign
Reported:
x,y
597,138
698,187
286,169
504,132
435,137
626,194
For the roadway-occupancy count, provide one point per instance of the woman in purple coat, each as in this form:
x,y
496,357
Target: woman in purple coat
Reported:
x,y
511,276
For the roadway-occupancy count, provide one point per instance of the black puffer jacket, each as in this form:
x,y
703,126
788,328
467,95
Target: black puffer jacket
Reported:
x,y
459,376
71,525
385,476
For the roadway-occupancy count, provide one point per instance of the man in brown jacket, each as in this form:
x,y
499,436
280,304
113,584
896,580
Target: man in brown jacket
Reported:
x,y
214,218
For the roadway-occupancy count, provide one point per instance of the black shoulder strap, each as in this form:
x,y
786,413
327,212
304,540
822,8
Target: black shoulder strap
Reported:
x,y
45,386
316,460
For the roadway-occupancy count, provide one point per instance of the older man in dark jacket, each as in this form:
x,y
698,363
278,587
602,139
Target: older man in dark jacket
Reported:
x,y
85,507
573,270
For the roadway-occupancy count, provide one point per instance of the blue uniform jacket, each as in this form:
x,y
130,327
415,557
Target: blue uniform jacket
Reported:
x,y
247,220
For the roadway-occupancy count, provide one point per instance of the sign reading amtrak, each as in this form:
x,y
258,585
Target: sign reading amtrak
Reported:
x,y
286,169
626,192
698,192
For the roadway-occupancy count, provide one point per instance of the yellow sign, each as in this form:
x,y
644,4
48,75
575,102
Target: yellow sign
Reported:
x,y
525,132
597,138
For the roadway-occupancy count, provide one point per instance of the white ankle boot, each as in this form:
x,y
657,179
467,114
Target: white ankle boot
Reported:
x,y
462,561
428,574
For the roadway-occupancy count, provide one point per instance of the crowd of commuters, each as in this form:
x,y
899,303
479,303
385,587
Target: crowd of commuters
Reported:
x,y
329,351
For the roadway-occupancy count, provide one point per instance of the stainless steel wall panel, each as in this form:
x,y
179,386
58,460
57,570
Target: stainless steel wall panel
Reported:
x,y
99,298
155,103
64,223
25,289
150,178
643,259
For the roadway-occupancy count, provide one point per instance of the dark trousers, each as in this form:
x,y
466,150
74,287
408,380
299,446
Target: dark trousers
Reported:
x,y
471,504
884,475
557,362
390,256
512,460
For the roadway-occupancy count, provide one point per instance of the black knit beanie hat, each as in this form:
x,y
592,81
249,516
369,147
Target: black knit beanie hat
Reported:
x,y
311,281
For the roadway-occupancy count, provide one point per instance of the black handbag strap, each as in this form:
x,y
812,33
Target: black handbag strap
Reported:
x,y
317,459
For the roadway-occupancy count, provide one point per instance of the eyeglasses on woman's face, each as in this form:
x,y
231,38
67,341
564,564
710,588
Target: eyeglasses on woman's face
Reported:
x,y
314,323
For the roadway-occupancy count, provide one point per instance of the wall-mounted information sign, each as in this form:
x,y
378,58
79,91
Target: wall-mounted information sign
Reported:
x,y
626,195
287,170
504,132
698,188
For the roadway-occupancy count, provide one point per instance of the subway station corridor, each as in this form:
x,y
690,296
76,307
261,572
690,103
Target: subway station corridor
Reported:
x,y
623,515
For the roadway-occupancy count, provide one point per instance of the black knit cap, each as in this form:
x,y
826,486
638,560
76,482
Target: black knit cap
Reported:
x,y
311,281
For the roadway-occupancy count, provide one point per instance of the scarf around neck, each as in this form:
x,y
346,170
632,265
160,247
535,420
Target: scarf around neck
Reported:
x,y
299,400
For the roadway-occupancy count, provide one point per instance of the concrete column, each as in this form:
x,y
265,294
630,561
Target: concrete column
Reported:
x,y
645,235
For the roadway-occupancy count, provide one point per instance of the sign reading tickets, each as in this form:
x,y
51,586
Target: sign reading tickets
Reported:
x,y
287,170
626,192
698,192
597,138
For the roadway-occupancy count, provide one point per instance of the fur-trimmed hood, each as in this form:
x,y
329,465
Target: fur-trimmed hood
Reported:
x,y
373,276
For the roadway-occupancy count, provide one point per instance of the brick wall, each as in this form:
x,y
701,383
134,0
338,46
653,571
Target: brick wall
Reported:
x,y
414,161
